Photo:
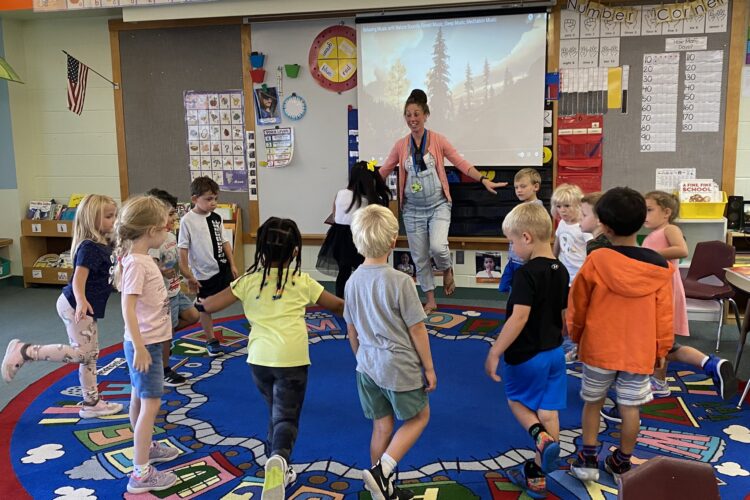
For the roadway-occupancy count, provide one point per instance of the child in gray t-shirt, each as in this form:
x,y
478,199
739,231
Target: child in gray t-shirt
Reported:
x,y
385,322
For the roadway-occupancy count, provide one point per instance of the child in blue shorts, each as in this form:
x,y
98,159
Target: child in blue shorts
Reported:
x,y
529,347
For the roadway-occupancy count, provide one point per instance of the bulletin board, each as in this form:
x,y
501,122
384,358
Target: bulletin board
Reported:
x,y
156,67
623,159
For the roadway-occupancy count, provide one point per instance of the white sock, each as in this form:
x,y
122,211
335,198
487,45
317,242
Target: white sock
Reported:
x,y
705,360
141,470
387,463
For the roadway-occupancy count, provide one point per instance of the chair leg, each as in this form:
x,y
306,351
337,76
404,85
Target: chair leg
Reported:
x,y
744,395
742,337
721,323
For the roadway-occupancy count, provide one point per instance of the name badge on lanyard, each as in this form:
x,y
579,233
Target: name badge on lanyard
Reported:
x,y
418,163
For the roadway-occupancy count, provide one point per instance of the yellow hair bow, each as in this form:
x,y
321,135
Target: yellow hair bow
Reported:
x,y
371,165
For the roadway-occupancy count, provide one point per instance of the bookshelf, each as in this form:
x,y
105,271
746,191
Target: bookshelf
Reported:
x,y
39,237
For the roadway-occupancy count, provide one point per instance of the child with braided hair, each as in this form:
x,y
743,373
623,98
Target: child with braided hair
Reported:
x,y
274,298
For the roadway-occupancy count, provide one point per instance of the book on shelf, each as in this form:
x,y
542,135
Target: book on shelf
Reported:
x,y
75,199
699,191
39,210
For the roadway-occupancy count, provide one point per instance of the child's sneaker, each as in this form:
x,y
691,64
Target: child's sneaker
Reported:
x,y
214,348
660,388
549,450
612,414
609,466
173,379
153,481
399,494
585,468
159,453
379,486
572,355
290,478
720,370
100,409
534,487
274,486
13,360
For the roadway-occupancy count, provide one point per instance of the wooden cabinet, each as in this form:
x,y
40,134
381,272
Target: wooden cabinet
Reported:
x,y
40,237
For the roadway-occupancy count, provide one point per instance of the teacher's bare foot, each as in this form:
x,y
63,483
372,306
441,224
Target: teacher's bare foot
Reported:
x,y
449,284
430,307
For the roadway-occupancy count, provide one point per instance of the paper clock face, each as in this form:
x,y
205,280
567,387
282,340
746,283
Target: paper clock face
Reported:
x,y
294,107
333,58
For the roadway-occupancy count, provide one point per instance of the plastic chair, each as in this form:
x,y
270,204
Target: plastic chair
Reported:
x,y
709,259
669,478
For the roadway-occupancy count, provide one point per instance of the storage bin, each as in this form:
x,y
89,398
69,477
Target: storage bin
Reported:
x,y
257,60
705,210
257,75
292,70
4,267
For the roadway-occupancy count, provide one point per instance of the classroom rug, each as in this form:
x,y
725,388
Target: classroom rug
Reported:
x,y
218,423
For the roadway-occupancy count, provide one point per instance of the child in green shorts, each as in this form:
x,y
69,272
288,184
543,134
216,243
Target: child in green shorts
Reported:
x,y
385,322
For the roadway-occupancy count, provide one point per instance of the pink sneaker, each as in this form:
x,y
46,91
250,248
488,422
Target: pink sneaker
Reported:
x,y
100,409
159,452
13,360
154,481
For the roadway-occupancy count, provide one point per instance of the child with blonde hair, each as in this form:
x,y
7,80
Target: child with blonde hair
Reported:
x,y
80,305
526,184
666,239
570,240
385,322
528,348
274,297
142,226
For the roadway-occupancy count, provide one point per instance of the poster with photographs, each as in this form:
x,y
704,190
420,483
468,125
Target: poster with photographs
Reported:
x,y
267,108
252,165
488,267
403,262
216,137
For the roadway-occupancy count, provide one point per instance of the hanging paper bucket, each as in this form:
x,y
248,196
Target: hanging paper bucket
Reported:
x,y
257,60
292,70
258,75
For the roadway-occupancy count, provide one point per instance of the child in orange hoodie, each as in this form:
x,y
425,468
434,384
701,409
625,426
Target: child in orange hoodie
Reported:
x,y
620,314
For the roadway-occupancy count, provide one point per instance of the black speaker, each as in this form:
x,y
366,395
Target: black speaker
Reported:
x,y
735,213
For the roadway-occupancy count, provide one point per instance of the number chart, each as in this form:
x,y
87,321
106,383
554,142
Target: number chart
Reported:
x,y
659,102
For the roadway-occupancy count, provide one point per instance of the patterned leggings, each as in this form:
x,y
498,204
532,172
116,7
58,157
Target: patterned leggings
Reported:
x,y
284,392
83,349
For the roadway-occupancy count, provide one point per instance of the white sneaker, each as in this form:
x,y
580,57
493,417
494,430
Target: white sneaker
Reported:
x,y
274,482
100,409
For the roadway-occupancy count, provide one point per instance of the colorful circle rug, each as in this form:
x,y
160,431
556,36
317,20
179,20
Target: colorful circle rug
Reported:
x,y
218,422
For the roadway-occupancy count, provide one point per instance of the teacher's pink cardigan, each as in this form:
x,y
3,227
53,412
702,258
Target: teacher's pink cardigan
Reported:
x,y
438,146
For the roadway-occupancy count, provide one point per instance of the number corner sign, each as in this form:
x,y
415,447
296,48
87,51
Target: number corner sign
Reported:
x,y
333,58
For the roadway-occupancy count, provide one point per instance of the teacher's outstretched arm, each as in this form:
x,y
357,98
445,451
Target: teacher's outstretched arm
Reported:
x,y
470,170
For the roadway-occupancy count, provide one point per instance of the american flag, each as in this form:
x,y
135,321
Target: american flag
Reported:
x,y
77,74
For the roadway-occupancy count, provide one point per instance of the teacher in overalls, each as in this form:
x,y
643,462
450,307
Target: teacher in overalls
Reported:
x,y
424,194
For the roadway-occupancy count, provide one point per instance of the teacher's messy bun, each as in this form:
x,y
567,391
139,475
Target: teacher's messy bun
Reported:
x,y
419,98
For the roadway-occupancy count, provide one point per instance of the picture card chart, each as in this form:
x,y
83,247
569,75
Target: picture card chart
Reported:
x,y
701,103
659,102
252,166
279,146
216,137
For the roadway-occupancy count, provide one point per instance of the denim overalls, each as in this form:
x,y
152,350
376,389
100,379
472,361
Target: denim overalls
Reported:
x,y
427,218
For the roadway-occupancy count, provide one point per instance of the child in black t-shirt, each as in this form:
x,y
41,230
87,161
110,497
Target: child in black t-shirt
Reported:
x,y
530,343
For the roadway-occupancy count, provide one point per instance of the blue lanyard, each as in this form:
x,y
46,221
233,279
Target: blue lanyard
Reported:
x,y
414,163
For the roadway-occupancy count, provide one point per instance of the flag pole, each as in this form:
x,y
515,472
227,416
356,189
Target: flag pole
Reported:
x,y
115,85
